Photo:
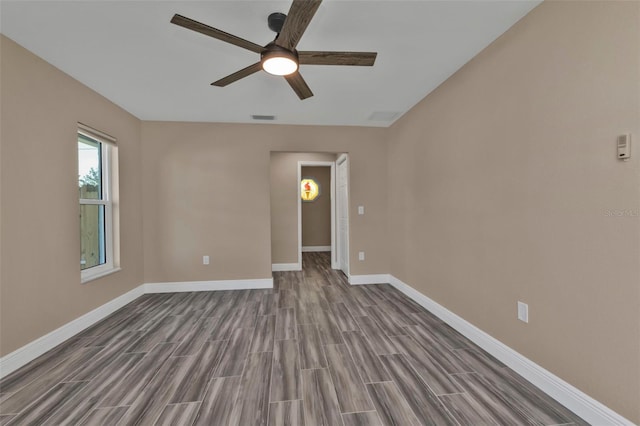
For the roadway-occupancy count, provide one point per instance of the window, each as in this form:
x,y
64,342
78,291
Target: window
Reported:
x,y
95,176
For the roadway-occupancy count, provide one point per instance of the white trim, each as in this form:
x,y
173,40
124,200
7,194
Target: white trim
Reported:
x,y
299,214
306,249
332,165
34,349
178,287
369,279
566,394
281,267
31,351
334,252
343,158
91,132
95,276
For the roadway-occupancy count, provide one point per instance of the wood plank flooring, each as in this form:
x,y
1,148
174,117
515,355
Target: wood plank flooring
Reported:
x,y
311,351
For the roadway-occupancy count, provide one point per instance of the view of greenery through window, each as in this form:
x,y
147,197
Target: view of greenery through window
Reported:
x,y
92,214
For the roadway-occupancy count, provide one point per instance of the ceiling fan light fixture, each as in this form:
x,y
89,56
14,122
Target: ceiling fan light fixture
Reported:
x,y
280,57
279,61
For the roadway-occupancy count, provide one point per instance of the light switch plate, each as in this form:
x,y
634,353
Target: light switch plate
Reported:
x,y
523,312
360,210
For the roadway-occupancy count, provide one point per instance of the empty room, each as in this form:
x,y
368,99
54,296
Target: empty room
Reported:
x,y
312,212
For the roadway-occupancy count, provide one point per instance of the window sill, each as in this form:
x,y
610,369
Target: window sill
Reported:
x,y
87,278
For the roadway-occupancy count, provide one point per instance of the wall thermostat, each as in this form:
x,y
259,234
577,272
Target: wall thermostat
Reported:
x,y
624,147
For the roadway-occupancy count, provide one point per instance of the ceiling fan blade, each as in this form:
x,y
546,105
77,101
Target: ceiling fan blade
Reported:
x,y
215,33
296,23
298,85
238,75
365,59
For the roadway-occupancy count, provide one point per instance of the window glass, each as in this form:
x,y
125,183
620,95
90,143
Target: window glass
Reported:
x,y
89,168
92,236
96,207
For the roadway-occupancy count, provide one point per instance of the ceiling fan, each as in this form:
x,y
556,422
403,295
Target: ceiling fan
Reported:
x,y
280,56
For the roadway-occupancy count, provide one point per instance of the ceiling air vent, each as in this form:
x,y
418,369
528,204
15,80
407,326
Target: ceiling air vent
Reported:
x,y
264,117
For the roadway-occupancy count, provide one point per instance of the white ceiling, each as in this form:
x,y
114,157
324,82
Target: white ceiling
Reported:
x,y
130,53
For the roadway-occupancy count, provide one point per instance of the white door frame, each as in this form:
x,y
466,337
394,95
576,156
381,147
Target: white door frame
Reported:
x,y
332,165
344,158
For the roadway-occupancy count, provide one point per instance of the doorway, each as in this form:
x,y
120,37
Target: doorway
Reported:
x,y
316,198
285,176
339,192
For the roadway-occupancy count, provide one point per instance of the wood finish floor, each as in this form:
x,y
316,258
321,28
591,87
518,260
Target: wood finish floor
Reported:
x,y
312,351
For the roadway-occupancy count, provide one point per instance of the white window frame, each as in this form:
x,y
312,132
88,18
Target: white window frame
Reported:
x,y
107,147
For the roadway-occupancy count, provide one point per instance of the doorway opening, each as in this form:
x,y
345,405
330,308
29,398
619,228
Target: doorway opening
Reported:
x,y
316,208
291,204
336,174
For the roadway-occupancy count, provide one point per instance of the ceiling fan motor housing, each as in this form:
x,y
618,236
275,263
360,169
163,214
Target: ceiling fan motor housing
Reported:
x,y
273,49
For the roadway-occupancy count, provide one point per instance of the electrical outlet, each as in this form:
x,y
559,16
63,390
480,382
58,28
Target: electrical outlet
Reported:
x,y
523,312
360,255
360,210
205,260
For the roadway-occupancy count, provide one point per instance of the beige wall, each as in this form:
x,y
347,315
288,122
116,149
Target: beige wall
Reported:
x,y
206,192
284,202
316,215
40,248
500,186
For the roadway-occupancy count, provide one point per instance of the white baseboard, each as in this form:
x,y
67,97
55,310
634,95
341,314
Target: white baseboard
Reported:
x,y
369,279
183,286
315,248
280,267
574,399
31,351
